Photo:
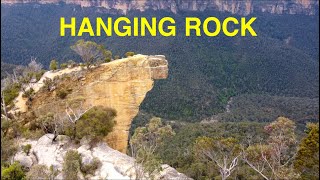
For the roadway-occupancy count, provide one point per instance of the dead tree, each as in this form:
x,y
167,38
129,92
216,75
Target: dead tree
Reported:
x,y
4,106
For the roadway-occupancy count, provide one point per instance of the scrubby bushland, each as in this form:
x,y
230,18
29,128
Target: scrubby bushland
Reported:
x,y
200,150
204,72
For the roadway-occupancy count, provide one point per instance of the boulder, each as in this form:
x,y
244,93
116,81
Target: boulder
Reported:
x,y
25,161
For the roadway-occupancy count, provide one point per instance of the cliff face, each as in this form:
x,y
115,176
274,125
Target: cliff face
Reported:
x,y
242,7
121,85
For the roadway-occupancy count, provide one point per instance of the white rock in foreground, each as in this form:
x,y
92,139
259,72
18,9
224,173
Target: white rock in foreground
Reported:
x,y
114,165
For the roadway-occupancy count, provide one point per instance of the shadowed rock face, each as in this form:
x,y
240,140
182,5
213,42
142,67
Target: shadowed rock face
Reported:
x,y
242,7
121,85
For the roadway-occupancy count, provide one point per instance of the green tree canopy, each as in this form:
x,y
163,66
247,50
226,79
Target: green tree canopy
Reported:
x,y
307,159
91,52
223,152
53,64
96,122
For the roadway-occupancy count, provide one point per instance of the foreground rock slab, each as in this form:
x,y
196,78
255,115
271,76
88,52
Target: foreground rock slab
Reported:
x,y
114,164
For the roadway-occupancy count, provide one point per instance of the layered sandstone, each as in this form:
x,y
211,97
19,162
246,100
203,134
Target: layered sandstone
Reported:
x,y
242,7
121,85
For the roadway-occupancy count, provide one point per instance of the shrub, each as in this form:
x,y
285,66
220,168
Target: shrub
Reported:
x,y
128,54
63,65
62,93
107,59
38,172
82,66
13,172
53,172
28,93
8,148
96,123
99,62
71,165
32,134
49,84
92,167
11,92
53,65
71,63
39,74
26,149
116,57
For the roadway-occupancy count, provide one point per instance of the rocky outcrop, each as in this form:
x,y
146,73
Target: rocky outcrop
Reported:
x,y
121,85
242,7
114,165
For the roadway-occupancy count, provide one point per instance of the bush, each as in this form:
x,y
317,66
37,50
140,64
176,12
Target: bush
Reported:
x,y
107,60
96,123
53,65
71,165
62,93
11,92
116,57
99,62
128,54
49,84
26,149
39,74
13,172
71,63
92,167
38,172
8,148
63,65
28,93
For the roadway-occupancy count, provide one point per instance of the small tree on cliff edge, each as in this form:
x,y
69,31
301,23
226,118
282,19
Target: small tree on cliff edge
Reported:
x,y
91,52
53,65
130,53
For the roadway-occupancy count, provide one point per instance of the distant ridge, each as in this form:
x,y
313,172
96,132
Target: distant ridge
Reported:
x,y
241,7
